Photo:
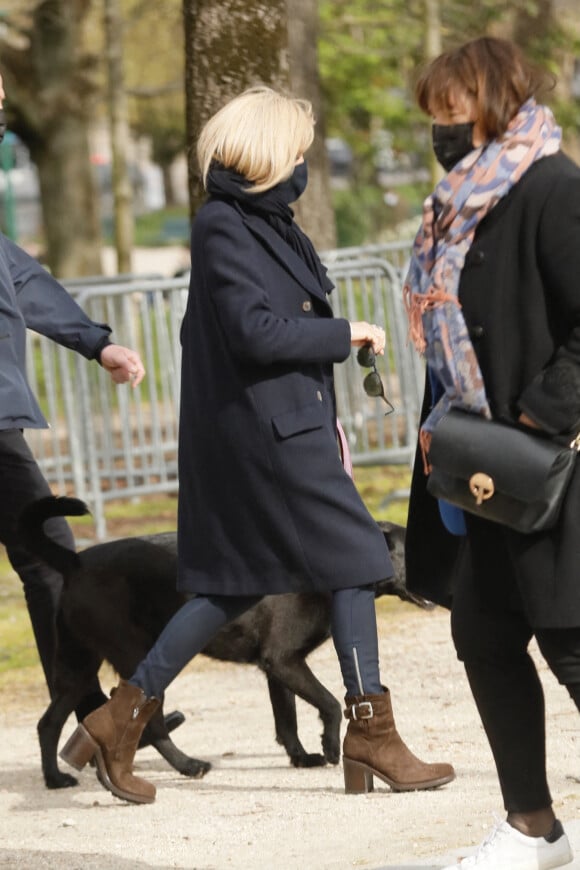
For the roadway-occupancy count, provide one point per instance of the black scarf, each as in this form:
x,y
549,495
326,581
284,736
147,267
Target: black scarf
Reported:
x,y
272,205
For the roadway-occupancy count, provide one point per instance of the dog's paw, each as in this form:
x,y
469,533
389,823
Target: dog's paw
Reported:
x,y
332,755
308,759
331,744
60,780
195,768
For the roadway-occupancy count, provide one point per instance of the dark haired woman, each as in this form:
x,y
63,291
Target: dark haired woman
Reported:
x,y
493,296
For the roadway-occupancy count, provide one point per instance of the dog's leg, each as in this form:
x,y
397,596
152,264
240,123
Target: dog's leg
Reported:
x,y
160,739
287,678
49,730
75,667
284,710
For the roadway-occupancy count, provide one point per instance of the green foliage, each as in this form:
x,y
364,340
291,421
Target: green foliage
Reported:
x,y
17,649
369,54
167,226
358,214
362,215
154,73
366,52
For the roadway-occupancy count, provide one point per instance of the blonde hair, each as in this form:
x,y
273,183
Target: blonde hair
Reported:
x,y
259,134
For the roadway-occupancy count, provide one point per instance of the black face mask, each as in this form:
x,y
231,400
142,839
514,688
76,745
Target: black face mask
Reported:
x,y
2,124
451,142
295,186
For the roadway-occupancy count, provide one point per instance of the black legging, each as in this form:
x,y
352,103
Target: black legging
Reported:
x,y
23,483
353,624
492,635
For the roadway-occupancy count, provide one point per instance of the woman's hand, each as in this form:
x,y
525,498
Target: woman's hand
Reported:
x,y
362,333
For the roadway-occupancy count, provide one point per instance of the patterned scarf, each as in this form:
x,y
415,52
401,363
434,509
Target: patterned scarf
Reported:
x,y
451,216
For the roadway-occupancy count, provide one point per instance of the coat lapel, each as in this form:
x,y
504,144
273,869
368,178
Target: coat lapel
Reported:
x,y
285,255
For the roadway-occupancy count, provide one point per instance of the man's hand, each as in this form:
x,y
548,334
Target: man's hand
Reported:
x,y
122,364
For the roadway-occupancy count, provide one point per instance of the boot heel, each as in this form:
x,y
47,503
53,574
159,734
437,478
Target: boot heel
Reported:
x,y
79,749
357,777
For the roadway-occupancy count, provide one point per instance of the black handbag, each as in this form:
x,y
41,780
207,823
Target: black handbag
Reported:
x,y
499,472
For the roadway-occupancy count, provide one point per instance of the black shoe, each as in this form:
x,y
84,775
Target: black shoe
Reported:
x,y
172,721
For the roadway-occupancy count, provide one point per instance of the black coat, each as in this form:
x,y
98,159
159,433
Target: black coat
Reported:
x,y
265,505
520,294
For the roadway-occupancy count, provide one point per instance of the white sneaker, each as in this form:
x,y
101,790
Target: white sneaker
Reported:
x,y
507,849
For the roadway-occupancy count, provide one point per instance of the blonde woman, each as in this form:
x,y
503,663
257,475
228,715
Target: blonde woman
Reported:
x,y
265,505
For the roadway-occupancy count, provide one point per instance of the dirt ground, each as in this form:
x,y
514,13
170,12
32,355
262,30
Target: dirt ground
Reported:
x,y
253,810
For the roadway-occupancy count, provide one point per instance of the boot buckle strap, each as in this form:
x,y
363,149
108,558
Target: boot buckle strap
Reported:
x,y
365,711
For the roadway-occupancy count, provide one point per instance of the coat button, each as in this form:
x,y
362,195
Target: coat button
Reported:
x,y
307,306
319,395
477,331
475,258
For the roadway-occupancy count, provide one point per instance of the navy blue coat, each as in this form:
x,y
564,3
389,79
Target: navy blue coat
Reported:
x,y
265,505
31,298
520,295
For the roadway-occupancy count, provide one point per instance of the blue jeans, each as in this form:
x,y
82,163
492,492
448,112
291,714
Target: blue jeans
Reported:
x,y
353,625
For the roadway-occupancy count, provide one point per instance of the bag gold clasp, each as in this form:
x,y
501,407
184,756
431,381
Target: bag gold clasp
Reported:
x,y
575,443
481,486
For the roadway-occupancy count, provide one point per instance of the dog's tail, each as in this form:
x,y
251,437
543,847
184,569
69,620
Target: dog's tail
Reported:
x,y
35,539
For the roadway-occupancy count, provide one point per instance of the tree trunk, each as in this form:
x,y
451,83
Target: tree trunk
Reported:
x,y
233,44
433,47
50,99
314,210
68,200
119,123
168,188
230,45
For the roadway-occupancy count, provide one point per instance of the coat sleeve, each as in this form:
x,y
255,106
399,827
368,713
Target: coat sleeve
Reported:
x,y
48,308
236,283
553,397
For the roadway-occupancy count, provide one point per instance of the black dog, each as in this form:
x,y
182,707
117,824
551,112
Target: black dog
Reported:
x,y
117,598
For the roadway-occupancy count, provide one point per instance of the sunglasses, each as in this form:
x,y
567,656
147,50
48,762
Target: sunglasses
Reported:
x,y
372,384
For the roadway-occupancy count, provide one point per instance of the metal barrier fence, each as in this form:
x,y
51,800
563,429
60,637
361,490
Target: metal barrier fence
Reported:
x,y
108,442
397,254
370,289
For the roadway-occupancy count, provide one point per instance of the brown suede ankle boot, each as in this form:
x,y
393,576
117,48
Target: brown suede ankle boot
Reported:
x,y
110,735
372,747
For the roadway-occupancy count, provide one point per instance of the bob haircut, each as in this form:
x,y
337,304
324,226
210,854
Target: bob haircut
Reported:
x,y
259,134
492,71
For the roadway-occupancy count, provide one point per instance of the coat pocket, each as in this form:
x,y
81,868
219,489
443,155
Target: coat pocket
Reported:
x,y
299,420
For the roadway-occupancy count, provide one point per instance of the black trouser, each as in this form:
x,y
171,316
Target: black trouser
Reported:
x,y
22,482
491,635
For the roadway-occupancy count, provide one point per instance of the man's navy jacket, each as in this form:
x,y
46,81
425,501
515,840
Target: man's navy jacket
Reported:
x,y
31,298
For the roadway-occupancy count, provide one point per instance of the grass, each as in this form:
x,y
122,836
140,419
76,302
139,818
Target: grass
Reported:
x,y
166,226
18,657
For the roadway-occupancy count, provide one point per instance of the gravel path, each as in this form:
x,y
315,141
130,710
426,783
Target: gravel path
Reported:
x,y
253,810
